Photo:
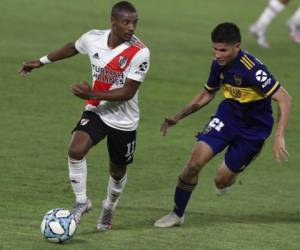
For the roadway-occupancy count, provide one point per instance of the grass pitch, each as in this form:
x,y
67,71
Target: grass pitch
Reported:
x,y
37,114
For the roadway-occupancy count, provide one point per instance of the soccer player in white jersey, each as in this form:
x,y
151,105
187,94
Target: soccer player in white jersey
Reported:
x,y
119,62
271,11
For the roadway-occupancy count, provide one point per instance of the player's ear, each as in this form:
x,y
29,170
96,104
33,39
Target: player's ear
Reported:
x,y
237,46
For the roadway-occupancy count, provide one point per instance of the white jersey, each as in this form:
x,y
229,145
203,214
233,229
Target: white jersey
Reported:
x,y
110,68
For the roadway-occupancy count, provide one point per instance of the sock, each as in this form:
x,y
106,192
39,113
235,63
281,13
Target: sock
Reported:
x,y
295,19
78,176
114,190
182,195
269,13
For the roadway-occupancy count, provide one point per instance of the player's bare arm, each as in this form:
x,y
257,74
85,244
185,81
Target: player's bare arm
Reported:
x,y
66,51
84,91
284,101
202,99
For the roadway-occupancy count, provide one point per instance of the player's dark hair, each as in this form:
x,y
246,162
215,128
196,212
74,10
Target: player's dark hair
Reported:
x,y
226,33
122,6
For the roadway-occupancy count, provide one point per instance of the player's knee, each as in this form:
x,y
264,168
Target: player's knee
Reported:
x,y
193,169
117,171
117,175
76,153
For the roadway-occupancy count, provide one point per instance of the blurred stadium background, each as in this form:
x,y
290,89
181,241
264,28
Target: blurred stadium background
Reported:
x,y
262,211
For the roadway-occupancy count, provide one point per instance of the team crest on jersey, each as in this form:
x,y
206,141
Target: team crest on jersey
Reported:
x,y
84,121
122,61
237,80
206,130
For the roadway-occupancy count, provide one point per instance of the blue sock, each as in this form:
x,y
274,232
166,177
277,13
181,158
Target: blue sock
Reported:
x,y
182,195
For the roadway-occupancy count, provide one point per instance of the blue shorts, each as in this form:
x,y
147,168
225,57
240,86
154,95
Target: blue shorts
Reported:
x,y
241,149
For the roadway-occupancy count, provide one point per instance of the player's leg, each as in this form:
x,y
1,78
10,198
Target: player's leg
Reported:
x,y
187,182
79,146
212,140
224,179
121,147
294,26
238,156
116,184
83,138
258,29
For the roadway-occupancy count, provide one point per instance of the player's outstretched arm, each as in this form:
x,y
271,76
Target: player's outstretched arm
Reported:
x,y
284,101
202,99
66,51
84,91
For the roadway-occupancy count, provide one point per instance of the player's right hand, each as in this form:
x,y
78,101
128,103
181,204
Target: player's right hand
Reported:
x,y
168,122
28,66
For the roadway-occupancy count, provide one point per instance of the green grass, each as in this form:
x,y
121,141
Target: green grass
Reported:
x,y
38,113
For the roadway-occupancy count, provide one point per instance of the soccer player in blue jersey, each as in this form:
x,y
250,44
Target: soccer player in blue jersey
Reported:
x,y
241,124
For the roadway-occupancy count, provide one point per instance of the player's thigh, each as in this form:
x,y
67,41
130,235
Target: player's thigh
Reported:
x,y
121,146
200,155
89,130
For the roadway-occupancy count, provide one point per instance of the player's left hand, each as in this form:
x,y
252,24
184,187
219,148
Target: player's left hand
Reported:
x,y
82,90
279,150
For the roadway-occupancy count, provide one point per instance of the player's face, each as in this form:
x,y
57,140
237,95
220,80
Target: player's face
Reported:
x,y
124,25
225,53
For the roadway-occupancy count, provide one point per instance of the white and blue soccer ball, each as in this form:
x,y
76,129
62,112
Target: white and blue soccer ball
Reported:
x,y
58,225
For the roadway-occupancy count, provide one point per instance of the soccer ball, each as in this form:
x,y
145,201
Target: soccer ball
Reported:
x,y
58,225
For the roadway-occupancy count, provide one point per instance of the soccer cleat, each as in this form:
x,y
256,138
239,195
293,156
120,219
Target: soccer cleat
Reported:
x,y
294,31
260,36
80,209
222,191
169,220
105,218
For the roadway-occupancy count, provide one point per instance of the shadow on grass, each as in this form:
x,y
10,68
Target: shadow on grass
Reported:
x,y
206,218
142,218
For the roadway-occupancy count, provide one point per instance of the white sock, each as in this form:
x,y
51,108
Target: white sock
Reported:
x,y
270,12
114,190
295,19
78,176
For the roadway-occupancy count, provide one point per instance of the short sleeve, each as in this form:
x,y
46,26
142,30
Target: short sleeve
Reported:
x,y
139,65
81,44
213,82
262,79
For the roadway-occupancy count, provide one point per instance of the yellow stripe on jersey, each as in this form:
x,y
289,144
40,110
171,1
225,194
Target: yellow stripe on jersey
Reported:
x,y
210,88
272,89
249,60
242,95
246,63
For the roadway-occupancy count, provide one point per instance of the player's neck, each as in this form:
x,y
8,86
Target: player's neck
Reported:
x,y
114,41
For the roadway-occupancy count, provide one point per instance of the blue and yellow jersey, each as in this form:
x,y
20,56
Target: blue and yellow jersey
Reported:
x,y
247,86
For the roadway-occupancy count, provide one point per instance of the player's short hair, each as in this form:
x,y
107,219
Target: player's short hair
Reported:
x,y
226,33
122,6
